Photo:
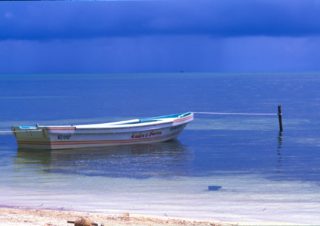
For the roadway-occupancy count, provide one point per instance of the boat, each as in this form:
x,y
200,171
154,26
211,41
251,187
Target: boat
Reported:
x,y
128,132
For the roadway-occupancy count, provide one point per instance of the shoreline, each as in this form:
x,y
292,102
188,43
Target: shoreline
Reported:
x,y
49,217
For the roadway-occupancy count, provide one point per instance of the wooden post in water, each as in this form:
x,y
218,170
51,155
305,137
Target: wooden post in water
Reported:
x,y
280,119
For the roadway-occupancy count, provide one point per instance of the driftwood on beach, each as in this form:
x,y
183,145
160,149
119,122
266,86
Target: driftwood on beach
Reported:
x,y
83,221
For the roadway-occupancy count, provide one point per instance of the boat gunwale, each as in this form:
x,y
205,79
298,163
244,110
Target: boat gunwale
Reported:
x,y
133,125
157,121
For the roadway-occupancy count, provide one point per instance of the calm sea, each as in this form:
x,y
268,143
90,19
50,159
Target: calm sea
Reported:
x,y
256,174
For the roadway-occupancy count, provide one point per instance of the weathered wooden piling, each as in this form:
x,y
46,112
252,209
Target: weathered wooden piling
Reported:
x,y
280,119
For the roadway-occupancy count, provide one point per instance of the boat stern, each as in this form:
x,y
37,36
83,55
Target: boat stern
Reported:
x,y
31,137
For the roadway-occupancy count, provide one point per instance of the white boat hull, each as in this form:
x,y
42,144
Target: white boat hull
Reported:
x,y
101,135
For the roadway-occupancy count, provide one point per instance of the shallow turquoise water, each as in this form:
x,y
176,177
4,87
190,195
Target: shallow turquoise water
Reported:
x,y
238,153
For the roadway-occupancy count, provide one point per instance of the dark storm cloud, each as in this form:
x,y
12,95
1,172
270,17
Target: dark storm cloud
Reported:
x,y
227,18
160,36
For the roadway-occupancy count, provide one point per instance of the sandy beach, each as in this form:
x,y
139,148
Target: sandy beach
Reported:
x,y
37,217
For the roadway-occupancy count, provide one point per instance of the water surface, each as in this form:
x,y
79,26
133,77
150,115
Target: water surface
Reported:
x,y
261,176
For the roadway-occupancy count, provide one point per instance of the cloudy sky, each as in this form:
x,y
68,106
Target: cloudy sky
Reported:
x,y
160,36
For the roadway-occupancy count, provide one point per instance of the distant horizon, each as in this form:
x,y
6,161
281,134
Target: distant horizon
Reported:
x,y
168,72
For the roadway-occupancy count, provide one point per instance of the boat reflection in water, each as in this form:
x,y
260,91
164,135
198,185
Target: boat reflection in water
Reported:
x,y
137,161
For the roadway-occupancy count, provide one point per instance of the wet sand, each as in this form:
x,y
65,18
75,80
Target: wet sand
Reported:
x,y
31,217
